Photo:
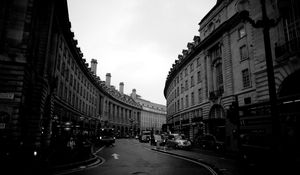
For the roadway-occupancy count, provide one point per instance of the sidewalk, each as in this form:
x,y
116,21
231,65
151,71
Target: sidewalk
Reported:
x,y
74,163
225,164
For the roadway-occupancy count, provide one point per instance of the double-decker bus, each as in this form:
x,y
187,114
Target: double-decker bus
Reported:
x,y
256,129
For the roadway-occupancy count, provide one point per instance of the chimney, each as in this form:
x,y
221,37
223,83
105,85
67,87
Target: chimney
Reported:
x,y
94,66
121,88
133,94
107,82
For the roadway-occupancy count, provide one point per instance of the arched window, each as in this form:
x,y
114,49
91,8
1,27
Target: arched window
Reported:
x,y
216,112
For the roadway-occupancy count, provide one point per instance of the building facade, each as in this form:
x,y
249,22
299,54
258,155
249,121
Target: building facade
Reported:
x,y
225,64
153,115
48,92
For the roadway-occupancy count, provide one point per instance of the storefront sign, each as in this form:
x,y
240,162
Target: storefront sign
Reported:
x,y
2,125
7,96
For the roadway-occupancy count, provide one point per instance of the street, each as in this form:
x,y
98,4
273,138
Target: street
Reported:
x,y
128,156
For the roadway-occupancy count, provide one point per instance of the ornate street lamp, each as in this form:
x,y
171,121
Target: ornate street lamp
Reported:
x,y
265,23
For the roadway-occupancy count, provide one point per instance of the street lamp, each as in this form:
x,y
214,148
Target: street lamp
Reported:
x,y
265,23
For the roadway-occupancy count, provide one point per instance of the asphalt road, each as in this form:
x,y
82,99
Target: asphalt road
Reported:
x,y
128,157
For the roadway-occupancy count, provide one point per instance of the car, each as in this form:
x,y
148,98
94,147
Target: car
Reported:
x,y
209,141
145,136
178,141
156,139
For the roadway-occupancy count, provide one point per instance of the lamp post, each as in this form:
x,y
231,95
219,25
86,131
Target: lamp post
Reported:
x,y
265,23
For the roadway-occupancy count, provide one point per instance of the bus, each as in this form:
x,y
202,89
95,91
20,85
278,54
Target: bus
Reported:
x,y
106,136
256,127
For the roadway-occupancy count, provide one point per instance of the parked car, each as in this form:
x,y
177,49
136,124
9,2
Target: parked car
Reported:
x,y
145,136
208,141
178,141
156,139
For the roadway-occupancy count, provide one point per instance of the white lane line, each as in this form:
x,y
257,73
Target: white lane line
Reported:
x,y
198,163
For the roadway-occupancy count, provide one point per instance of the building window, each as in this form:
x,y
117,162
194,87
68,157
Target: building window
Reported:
x,y
200,95
186,101
192,81
66,93
198,62
246,78
198,77
181,103
185,72
67,74
219,76
58,63
181,77
63,69
61,89
243,52
247,100
291,23
71,80
186,85
242,32
192,99
191,67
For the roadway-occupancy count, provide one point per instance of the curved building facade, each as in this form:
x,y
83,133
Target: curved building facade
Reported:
x,y
226,64
48,92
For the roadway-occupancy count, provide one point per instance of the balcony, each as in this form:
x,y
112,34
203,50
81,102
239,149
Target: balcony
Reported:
x,y
286,50
213,95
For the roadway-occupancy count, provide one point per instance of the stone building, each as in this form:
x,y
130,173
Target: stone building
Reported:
x,y
225,64
153,115
48,92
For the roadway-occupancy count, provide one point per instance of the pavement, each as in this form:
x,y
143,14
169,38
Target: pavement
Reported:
x,y
223,164
91,161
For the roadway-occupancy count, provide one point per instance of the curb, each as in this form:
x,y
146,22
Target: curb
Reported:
x,y
76,166
218,171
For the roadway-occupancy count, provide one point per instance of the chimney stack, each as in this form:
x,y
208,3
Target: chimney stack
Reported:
x,y
94,66
121,88
108,77
133,94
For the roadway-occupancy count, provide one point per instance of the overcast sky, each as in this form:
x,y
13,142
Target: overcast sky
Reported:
x,y
137,41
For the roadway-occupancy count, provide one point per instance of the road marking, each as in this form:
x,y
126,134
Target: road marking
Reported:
x,y
116,156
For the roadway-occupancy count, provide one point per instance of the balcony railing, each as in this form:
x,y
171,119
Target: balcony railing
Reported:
x,y
213,95
288,49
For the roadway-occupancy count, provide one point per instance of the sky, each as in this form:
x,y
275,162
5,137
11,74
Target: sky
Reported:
x,y
136,41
